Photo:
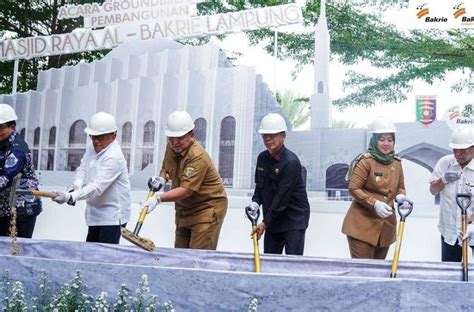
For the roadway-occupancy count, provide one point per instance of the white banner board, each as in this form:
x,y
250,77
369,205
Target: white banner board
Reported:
x,y
122,25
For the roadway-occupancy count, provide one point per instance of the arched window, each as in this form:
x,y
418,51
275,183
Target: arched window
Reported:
x,y
36,137
35,148
127,134
336,184
77,144
200,131
149,133
52,137
51,146
77,136
226,150
320,87
148,142
304,174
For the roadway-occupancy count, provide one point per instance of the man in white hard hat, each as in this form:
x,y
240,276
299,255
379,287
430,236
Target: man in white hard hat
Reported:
x,y
281,191
449,177
102,180
197,188
16,164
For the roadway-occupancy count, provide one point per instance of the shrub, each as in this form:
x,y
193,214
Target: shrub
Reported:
x,y
73,296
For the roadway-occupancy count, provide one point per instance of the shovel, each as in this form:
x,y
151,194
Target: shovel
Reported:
x,y
464,201
133,237
404,209
253,217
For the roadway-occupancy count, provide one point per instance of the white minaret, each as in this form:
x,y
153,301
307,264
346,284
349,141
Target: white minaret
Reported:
x,y
320,101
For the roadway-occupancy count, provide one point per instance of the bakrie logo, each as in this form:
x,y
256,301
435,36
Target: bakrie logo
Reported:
x,y
459,10
422,10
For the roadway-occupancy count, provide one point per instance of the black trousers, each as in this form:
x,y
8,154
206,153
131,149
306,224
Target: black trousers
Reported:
x,y
292,241
104,234
450,253
25,224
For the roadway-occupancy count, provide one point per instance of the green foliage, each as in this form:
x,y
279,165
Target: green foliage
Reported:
x,y
73,296
295,107
253,305
342,124
356,36
37,18
417,55
44,293
468,111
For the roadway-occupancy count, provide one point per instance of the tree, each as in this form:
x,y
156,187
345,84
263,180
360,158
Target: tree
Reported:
x,y
37,18
342,124
355,36
294,106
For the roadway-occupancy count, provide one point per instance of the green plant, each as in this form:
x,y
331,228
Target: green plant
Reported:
x,y
45,293
295,107
342,124
253,305
73,296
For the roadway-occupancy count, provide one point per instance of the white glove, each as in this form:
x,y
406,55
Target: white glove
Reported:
x,y
469,232
254,209
255,206
382,209
152,202
451,176
402,198
62,197
156,183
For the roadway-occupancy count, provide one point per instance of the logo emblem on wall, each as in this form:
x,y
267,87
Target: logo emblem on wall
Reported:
x,y
426,109
422,10
458,10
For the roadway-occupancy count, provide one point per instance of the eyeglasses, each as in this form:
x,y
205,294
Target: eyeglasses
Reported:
x,y
100,137
3,126
270,135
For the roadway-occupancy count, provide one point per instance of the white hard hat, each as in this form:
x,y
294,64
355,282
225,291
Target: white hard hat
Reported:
x,y
101,123
7,114
179,123
462,137
382,124
272,123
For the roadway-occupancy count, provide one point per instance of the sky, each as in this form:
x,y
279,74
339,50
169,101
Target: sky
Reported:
x,y
269,68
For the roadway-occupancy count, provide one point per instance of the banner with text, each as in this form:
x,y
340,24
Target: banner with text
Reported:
x,y
147,20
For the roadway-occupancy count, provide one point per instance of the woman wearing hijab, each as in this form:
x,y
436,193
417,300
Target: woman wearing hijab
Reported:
x,y
375,179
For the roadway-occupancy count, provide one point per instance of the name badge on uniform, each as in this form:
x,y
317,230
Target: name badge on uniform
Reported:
x,y
378,176
11,161
189,171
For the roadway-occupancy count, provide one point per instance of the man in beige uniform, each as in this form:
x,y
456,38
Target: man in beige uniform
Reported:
x,y
197,189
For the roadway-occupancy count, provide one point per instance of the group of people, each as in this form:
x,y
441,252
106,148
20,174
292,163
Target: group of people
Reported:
x,y
375,181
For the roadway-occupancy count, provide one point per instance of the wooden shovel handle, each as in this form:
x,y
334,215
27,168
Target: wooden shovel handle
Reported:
x,y
37,193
